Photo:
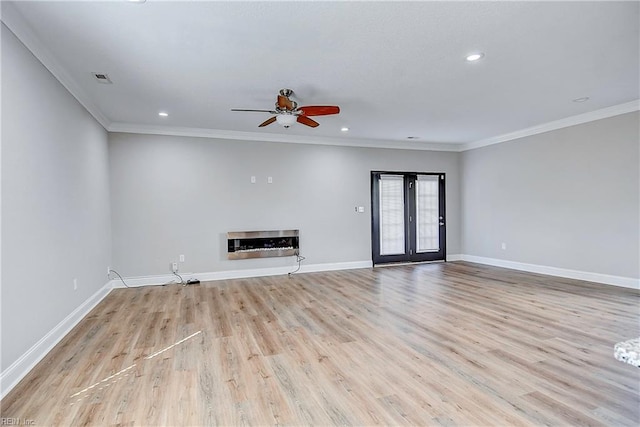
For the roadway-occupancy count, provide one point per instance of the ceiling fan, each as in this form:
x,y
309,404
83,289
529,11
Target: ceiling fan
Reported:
x,y
287,111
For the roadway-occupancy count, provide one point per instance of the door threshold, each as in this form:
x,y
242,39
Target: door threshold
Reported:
x,y
394,264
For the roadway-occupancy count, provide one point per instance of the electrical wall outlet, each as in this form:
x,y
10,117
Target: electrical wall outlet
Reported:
x,y
174,267
503,246
108,272
75,284
181,258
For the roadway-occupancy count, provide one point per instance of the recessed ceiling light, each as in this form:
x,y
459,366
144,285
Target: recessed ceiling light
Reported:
x,y
475,56
344,129
163,114
583,99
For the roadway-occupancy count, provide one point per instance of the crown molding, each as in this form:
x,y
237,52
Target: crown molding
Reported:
x,y
12,18
271,137
591,116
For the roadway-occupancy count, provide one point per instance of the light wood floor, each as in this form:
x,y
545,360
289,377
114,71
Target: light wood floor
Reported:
x,y
438,344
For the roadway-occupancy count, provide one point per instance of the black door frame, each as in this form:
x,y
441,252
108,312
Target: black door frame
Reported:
x,y
411,254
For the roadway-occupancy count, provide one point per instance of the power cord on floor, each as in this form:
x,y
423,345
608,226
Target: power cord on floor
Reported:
x,y
127,286
181,279
121,279
299,259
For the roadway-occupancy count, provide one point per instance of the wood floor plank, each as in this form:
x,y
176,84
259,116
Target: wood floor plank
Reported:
x,y
453,344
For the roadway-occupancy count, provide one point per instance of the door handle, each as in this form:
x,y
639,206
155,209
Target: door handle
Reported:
x,y
442,223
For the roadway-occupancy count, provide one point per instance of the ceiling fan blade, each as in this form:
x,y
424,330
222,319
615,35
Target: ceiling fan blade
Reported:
x,y
307,121
285,103
319,110
256,111
267,122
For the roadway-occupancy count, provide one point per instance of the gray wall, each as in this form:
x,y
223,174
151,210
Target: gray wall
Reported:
x,y
567,198
180,195
55,201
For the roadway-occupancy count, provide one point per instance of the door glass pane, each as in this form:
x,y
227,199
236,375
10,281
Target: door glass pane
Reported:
x,y
427,213
391,214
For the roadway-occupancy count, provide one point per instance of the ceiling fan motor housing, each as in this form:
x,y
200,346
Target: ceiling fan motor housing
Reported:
x,y
286,92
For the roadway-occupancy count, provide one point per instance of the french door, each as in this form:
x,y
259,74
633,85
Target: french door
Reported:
x,y
408,217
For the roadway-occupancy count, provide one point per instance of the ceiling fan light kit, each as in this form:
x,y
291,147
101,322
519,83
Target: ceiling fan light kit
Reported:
x,y
287,111
286,120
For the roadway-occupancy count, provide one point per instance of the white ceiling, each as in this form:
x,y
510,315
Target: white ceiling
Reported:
x,y
396,69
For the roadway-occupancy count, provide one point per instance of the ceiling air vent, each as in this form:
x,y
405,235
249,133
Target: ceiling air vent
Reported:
x,y
102,78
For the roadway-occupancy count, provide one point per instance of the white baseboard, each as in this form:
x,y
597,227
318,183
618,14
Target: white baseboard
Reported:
x,y
240,274
138,281
626,282
313,268
454,257
21,367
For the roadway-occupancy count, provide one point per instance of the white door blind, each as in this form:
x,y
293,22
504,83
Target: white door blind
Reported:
x,y
427,213
391,215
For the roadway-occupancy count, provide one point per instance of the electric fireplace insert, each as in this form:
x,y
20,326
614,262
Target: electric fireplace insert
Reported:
x,y
262,244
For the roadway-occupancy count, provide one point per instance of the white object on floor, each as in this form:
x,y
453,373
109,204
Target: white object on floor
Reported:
x,y
628,351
